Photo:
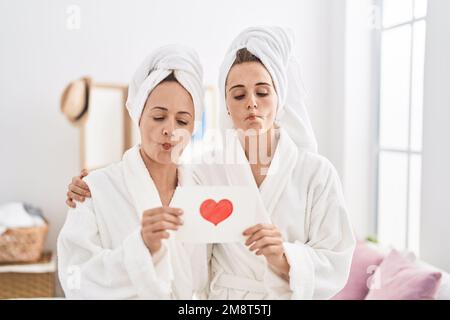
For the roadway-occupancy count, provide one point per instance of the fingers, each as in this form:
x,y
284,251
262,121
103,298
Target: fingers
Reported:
x,y
74,196
77,190
155,236
79,183
71,203
148,220
161,226
258,227
261,234
266,241
271,251
160,210
157,221
83,173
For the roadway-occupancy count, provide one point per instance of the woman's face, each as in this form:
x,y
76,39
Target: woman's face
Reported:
x,y
251,98
167,122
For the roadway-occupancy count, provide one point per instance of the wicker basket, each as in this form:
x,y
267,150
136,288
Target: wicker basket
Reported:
x,y
19,283
23,244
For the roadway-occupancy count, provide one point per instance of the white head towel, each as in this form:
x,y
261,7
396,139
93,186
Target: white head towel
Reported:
x,y
183,62
274,47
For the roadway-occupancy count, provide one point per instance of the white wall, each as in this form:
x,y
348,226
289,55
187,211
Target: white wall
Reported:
x,y
435,219
39,56
359,121
351,108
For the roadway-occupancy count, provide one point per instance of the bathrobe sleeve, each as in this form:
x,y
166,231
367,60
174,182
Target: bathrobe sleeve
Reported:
x,y
89,271
320,267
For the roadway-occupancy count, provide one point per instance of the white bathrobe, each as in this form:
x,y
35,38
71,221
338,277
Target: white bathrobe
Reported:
x,y
101,254
302,196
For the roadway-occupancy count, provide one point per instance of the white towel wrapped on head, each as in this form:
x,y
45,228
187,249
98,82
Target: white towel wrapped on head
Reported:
x,y
183,62
274,46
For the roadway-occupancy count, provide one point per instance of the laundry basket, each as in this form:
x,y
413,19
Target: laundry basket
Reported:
x,y
23,244
34,280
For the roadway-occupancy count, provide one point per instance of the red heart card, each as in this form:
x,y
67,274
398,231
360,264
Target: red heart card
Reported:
x,y
216,212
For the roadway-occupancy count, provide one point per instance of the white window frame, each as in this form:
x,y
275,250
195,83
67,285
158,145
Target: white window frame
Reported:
x,y
409,152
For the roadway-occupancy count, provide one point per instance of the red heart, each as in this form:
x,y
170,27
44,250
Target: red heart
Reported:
x,y
216,212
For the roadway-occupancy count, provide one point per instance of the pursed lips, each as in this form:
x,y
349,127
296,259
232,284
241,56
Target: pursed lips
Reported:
x,y
166,146
252,117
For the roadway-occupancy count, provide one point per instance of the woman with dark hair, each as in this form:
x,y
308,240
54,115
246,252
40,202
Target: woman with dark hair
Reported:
x,y
117,244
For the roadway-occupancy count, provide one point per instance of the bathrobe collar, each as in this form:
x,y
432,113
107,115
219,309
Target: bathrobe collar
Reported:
x,y
139,182
280,170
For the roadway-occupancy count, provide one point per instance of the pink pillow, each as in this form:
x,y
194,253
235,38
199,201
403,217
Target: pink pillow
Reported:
x,y
365,260
400,278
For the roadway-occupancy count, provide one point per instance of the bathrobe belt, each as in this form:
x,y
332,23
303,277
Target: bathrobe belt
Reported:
x,y
230,281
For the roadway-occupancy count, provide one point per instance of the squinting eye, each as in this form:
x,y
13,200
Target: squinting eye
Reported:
x,y
240,97
158,119
182,123
262,94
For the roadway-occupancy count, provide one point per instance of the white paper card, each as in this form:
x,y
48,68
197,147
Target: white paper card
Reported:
x,y
214,214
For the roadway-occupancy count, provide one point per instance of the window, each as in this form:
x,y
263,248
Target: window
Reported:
x,y
399,152
208,121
